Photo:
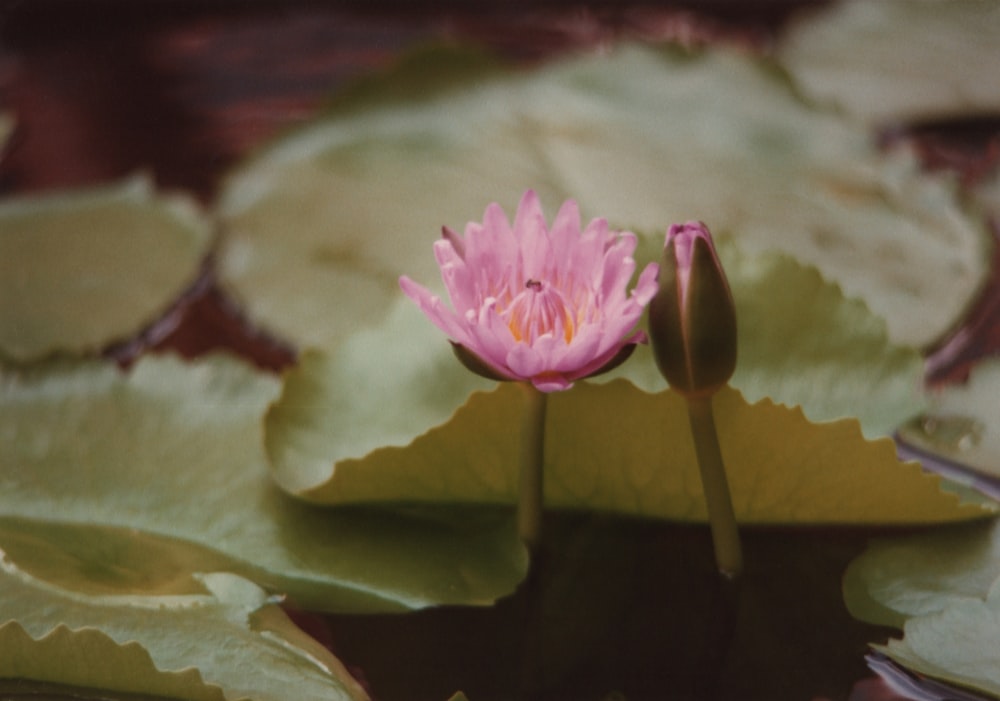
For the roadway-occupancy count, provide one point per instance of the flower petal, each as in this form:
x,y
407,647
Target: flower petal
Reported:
x,y
551,383
578,353
565,231
525,361
432,307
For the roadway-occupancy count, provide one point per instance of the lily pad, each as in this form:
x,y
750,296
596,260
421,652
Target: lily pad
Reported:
x,y
898,59
956,645
907,576
229,642
941,588
320,225
962,424
80,270
158,473
387,419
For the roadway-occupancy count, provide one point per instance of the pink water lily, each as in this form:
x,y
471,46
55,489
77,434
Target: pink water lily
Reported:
x,y
539,304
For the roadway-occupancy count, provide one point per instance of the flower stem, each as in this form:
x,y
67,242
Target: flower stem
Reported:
x,y
532,458
725,534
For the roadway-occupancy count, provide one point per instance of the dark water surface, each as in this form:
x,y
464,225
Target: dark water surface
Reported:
x,y
630,609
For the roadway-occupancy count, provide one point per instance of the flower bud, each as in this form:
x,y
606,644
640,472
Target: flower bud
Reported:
x,y
692,318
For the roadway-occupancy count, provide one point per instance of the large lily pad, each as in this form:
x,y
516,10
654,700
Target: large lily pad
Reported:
x,y
898,59
158,473
387,419
320,225
80,270
228,642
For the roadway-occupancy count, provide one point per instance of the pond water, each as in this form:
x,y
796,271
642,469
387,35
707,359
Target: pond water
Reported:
x,y
628,609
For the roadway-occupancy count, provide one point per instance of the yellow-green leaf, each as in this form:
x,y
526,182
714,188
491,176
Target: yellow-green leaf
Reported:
x,y
80,270
608,447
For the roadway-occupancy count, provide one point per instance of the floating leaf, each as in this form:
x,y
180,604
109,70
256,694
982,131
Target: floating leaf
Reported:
x,y
941,588
963,424
80,270
373,422
160,473
914,575
898,59
643,137
228,642
956,645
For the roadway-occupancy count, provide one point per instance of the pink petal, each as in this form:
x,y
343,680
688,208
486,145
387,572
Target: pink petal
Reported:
x,y
553,383
587,257
495,221
430,304
580,351
456,241
618,270
604,358
532,238
491,339
645,288
565,231
525,361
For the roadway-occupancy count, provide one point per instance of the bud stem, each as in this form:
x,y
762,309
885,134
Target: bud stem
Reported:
x,y
532,459
725,533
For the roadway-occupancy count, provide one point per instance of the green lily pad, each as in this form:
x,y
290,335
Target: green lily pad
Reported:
x,y
956,645
962,425
907,576
387,418
145,477
80,270
941,588
228,642
898,59
320,225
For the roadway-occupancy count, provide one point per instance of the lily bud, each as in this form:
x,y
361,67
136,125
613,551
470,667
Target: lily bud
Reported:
x,y
692,318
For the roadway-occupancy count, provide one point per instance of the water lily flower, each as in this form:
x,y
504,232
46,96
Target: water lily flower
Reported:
x,y
692,318
545,305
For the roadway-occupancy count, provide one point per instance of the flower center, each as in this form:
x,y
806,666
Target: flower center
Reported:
x,y
540,309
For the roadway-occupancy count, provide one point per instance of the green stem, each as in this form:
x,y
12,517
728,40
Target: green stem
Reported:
x,y
532,458
725,534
